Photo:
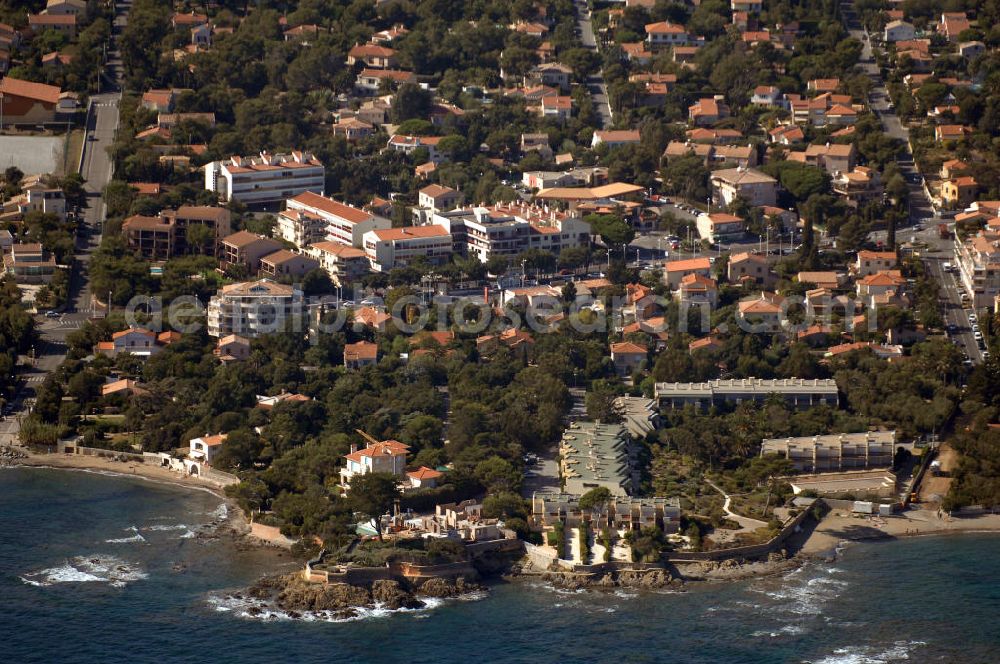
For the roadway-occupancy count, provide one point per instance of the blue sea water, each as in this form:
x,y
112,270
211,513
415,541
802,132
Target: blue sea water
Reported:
x,y
108,569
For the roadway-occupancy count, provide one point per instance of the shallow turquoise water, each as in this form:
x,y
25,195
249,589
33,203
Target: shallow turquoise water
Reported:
x,y
102,569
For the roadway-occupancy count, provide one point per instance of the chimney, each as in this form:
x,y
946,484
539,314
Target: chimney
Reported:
x,y
354,448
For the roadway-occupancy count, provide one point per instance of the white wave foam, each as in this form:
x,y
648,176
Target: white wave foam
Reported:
x,y
137,537
220,513
255,609
787,630
188,535
125,540
900,650
88,569
176,526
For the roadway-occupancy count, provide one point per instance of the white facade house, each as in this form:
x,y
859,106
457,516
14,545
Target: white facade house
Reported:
x,y
343,223
410,144
253,308
265,179
203,450
753,186
720,226
387,456
136,341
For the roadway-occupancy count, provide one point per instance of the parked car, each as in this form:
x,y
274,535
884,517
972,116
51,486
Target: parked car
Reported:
x,y
51,313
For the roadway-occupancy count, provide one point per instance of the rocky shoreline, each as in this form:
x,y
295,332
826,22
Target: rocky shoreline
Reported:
x,y
675,577
296,597
11,456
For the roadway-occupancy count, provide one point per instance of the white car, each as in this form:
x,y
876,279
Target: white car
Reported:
x,y
972,317
977,335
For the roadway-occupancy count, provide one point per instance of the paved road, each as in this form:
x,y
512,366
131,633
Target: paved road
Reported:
x,y
595,84
881,104
923,217
96,170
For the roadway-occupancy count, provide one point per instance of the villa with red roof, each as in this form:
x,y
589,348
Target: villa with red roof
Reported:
x,y
627,357
387,456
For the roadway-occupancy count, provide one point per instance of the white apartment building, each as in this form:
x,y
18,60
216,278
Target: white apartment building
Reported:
x,y
432,199
300,227
343,262
508,230
396,247
344,223
267,178
978,261
253,308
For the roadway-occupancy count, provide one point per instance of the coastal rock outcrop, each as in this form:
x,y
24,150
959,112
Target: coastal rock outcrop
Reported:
x,y
628,578
293,595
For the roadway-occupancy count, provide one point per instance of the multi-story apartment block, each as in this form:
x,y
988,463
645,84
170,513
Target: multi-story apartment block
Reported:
x,y
797,392
253,308
344,263
395,247
838,451
268,178
343,223
168,235
245,248
978,261
507,230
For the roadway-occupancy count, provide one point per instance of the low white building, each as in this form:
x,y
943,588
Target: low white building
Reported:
x,y
202,452
720,227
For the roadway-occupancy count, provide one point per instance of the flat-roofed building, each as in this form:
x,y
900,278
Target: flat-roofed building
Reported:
x,y
800,393
594,454
620,513
267,178
838,451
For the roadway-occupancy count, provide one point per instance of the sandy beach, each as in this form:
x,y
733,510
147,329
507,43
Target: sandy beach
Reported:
x,y
235,522
126,468
839,526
